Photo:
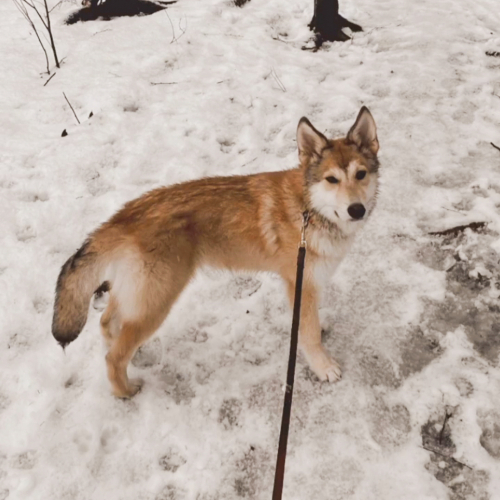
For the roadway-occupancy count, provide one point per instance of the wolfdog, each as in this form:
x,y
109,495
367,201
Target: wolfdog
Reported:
x,y
150,249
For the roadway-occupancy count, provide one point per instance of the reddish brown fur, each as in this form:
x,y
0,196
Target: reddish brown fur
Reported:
x,y
151,248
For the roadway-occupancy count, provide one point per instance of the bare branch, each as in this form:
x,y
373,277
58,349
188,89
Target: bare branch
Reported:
x,y
49,29
56,5
173,29
174,37
49,79
20,4
32,5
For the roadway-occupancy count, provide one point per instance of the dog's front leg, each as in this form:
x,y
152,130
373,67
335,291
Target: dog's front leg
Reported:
x,y
320,362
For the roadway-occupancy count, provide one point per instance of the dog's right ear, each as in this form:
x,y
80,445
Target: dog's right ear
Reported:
x,y
364,132
309,141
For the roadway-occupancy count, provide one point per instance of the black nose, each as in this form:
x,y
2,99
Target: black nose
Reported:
x,y
356,211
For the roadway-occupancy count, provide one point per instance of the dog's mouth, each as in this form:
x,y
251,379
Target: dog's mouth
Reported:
x,y
351,219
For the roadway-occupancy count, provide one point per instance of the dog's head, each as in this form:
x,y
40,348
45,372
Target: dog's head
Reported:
x,y
341,175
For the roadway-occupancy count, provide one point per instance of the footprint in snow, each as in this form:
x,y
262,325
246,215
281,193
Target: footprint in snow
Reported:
x,y
171,461
33,197
170,492
148,355
109,439
229,413
83,440
25,460
25,233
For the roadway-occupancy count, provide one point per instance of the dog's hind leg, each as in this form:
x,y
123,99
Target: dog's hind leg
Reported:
x,y
110,322
132,335
143,302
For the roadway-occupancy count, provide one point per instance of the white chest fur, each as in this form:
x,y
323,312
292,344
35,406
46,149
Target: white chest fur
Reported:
x,y
329,250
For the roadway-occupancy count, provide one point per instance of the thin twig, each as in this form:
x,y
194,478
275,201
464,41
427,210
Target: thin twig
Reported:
x,y
248,162
172,25
102,31
56,5
446,456
49,29
175,38
232,35
495,146
181,28
280,40
22,9
451,210
447,416
71,108
37,12
282,87
49,79
163,83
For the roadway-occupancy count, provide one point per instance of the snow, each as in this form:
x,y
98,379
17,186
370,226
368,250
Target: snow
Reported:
x,y
412,318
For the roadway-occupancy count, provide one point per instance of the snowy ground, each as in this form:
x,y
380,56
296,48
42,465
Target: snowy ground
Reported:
x,y
414,318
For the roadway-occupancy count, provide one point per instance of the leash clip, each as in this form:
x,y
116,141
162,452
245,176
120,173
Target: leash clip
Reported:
x,y
305,222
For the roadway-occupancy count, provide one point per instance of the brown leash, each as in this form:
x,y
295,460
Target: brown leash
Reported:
x,y
287,405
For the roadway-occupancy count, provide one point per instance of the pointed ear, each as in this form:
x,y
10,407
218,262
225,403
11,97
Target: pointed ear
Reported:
x,y
309,140
364,131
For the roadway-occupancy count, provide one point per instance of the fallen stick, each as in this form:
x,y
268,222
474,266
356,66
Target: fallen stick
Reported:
x,y
458,229
54,74
71,108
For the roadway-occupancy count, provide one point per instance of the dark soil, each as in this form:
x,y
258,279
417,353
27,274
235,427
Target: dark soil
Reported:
x,y
109,9
464,482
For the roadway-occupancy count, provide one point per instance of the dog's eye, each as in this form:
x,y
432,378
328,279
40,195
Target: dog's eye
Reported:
x,y
360,174
332,180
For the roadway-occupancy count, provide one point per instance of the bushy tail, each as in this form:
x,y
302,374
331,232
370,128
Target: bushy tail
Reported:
x,y
78,279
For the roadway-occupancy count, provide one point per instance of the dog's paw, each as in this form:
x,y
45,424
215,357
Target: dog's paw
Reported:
x,y
333,372
133,387
323,365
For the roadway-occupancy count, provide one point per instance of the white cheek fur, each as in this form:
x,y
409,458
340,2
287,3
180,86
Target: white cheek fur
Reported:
x,y
324,201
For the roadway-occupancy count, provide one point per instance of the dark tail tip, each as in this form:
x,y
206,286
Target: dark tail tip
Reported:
x,y
63,344
71,301
64,338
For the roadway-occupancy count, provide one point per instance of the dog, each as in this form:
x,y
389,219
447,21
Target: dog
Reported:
x,y
150,249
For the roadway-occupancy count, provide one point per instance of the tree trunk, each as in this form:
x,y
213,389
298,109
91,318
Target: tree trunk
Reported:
x,y
327,23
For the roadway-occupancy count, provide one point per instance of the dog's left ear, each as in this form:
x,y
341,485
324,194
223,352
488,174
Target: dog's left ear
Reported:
x,y
364,132
310,142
